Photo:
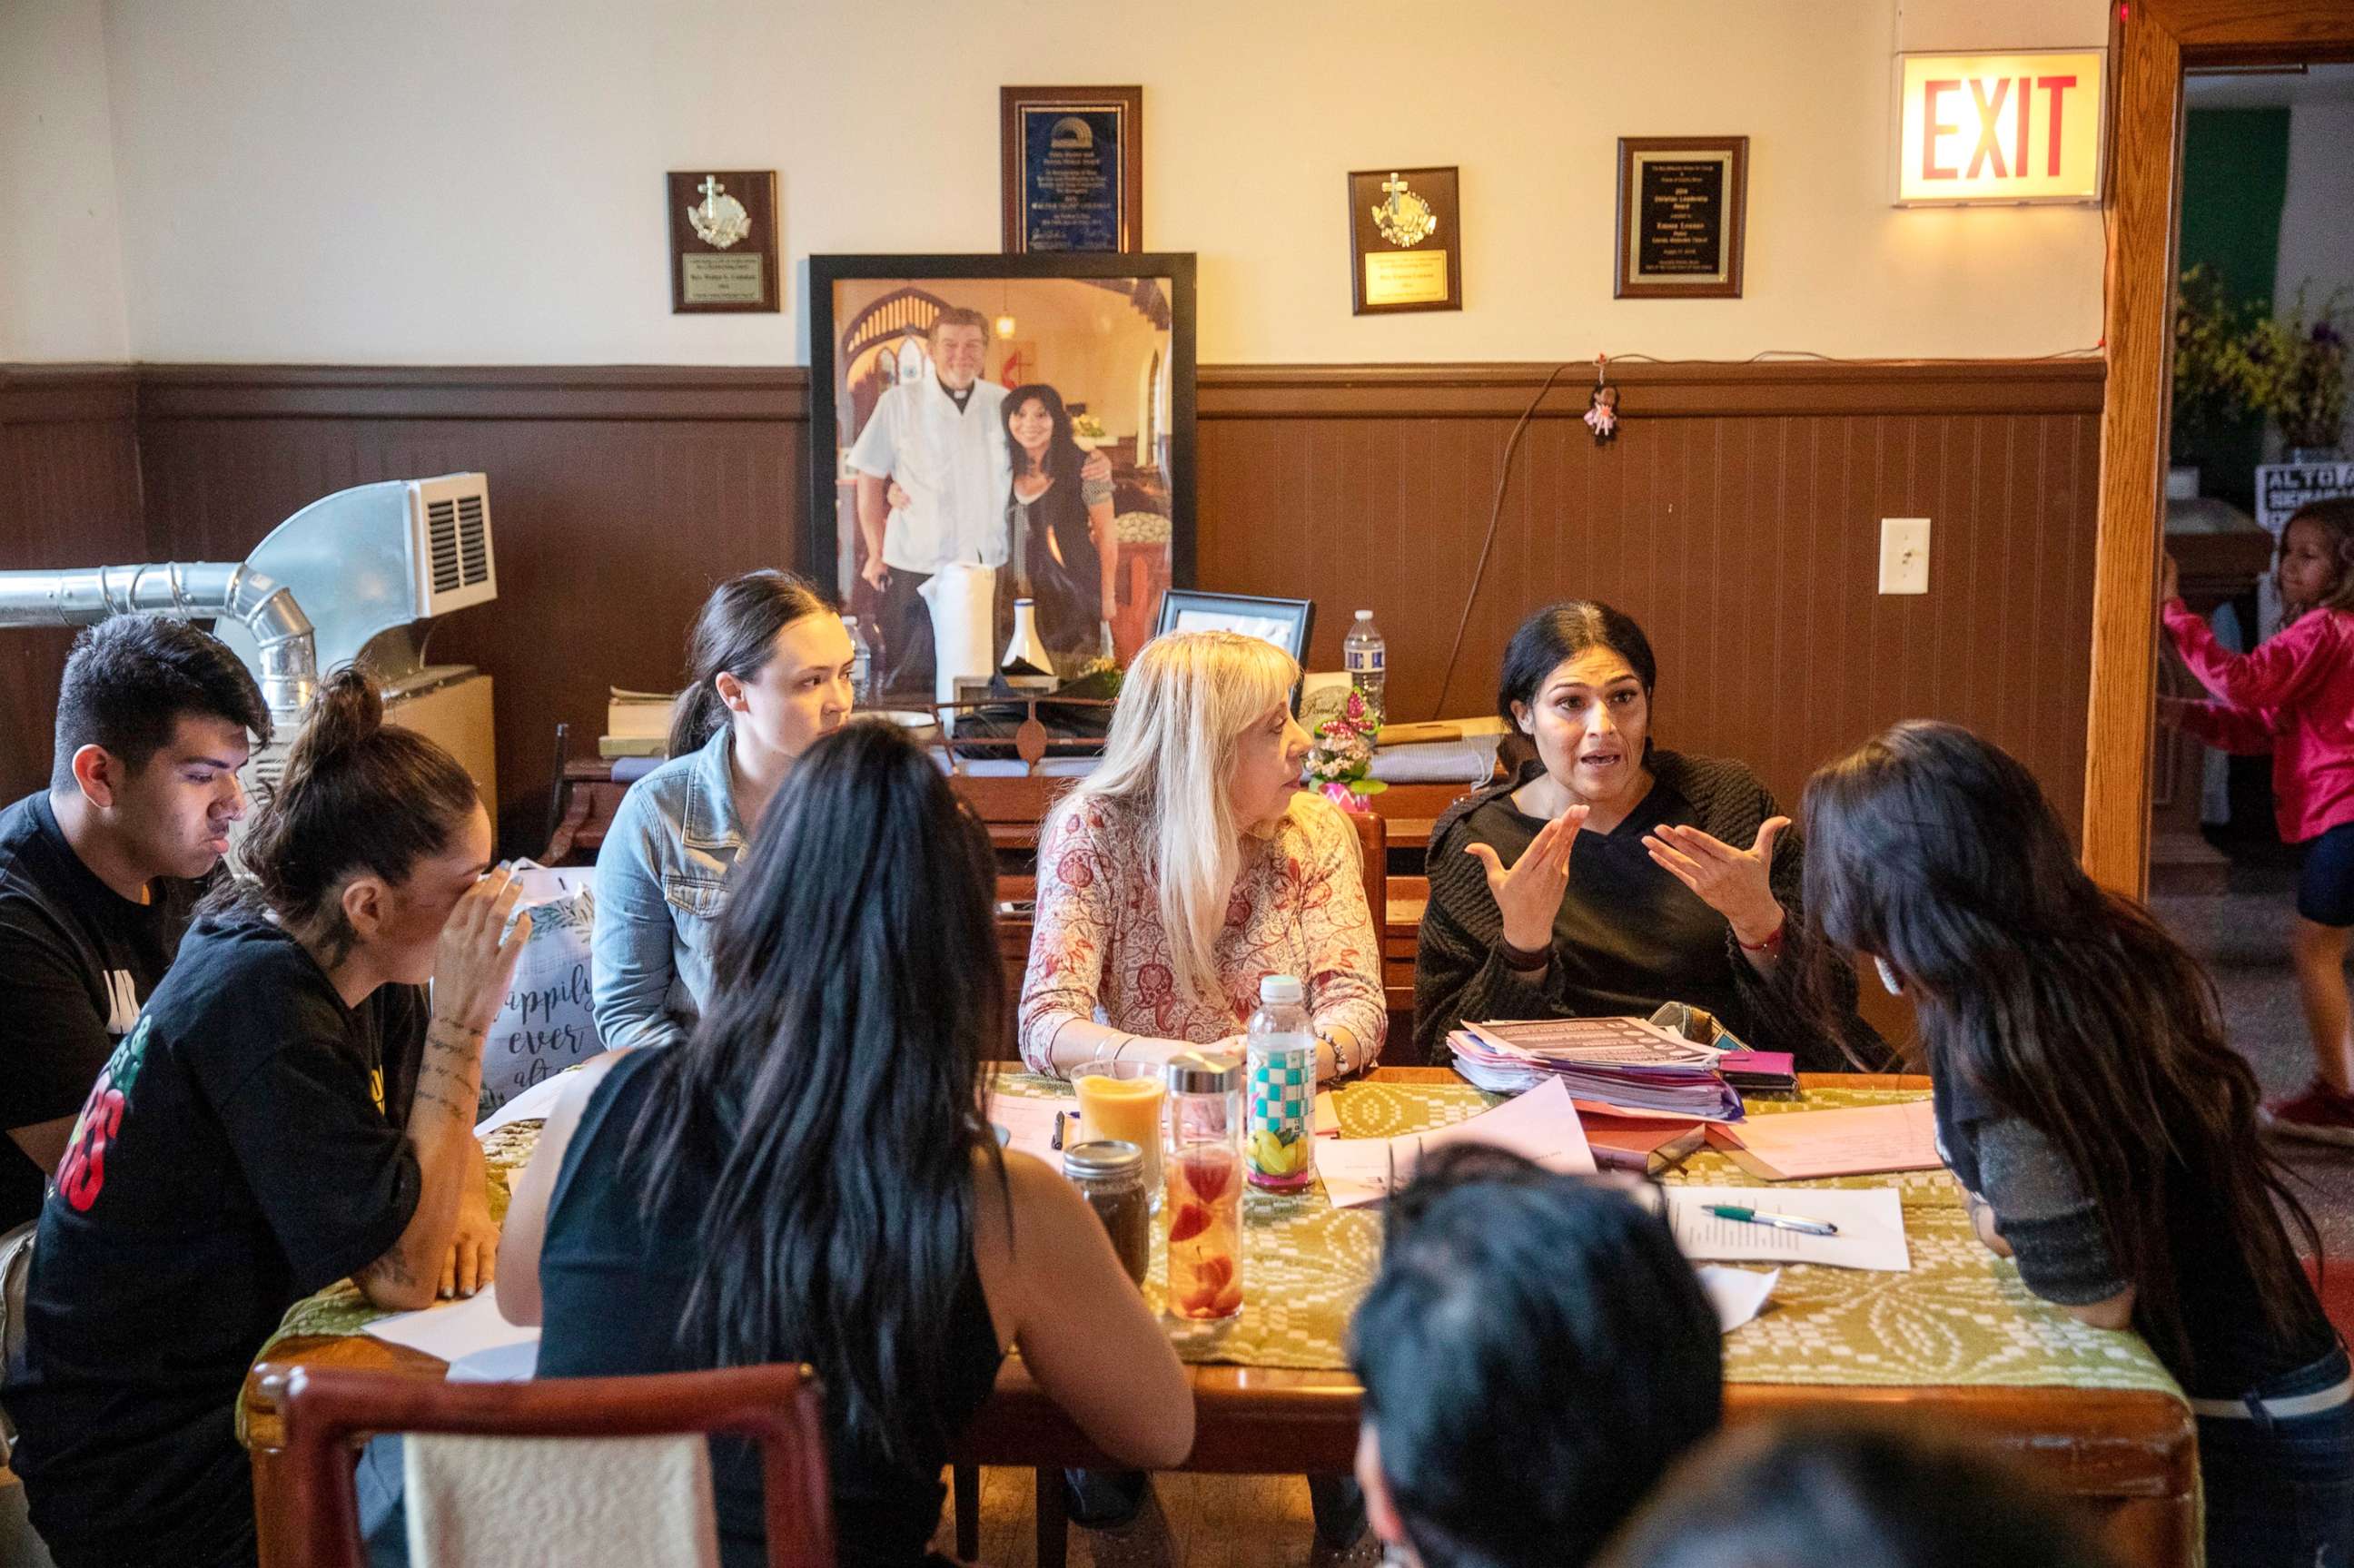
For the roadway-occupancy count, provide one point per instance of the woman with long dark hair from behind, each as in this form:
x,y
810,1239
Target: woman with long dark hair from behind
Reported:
x,y
290,1109
2087,1101
769,668
812,1177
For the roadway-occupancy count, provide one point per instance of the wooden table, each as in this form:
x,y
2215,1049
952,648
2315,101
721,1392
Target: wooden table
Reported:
x,y
2131,1458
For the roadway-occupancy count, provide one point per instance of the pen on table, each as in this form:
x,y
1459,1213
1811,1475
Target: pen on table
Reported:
x,y
1777,1221
1056,1141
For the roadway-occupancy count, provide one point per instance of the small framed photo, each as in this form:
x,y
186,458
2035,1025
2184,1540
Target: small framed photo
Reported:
x,y
1682,216
1406,240
1286,622
1071,168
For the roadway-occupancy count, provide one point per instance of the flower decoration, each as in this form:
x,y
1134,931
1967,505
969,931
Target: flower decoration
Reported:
x,y
1340,764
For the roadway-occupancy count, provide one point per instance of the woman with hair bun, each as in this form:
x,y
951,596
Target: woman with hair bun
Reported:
x,y
290,1109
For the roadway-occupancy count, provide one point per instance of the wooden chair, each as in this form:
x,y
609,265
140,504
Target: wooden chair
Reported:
x,y
330,1411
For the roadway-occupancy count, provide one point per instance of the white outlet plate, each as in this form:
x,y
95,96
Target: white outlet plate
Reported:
x,y
1904,554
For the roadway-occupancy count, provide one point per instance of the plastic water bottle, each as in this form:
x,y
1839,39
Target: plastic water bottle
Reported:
x,y
1280,1063
1366,658
862,663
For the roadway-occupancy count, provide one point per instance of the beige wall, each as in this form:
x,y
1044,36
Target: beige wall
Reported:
x,y
448,181
60,250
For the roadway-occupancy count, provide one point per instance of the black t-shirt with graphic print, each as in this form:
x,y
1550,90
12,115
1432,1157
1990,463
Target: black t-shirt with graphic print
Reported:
x,y
77,962
233,1156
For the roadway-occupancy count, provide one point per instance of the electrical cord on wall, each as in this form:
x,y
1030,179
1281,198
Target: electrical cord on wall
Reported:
x,y
1504,479
1488,545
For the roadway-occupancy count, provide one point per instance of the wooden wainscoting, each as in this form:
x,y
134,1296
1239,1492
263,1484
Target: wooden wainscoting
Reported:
x,y
1737,515
69,497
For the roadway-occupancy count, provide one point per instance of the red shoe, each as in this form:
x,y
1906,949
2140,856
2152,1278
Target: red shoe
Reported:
x,y
2320,1114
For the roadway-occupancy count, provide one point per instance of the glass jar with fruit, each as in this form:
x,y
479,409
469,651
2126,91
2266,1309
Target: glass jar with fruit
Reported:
x,y
1204,1198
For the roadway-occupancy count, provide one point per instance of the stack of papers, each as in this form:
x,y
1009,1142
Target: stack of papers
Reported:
x,y
637,723
1623,1064
1542,1125
1809,1144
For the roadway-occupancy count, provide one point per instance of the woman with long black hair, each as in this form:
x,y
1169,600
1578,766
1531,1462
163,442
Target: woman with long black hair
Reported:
x,y
811,1176
1060,522
2087,1101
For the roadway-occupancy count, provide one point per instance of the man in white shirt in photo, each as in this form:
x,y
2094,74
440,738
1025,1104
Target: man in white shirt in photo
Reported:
x,y
941,442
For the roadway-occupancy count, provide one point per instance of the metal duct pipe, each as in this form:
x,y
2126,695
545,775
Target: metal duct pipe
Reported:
x,y
189,590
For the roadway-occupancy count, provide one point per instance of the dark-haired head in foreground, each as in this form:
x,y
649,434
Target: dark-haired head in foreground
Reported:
x,y
1535,1352
1857,1496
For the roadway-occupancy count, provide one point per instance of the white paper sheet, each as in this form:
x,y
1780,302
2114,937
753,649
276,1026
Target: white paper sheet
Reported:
x,y
454,1328
499,1364
1871,1224
533,1104
1737,1293
1542,1125
1031,1124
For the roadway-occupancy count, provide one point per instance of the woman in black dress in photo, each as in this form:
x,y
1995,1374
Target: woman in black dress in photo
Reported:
x,y
1060,520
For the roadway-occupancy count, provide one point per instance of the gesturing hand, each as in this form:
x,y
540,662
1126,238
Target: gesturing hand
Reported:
x,y
1737,884
1529,895
475,962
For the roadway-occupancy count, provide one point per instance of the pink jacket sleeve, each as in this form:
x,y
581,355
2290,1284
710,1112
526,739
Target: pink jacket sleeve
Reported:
x,y
1346,987
2246,731
1069,937
2272,676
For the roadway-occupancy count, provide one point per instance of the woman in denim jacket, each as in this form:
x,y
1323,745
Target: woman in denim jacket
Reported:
x,y
770,669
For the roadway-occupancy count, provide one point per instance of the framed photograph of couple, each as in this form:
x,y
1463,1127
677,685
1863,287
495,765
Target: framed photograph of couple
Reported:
x,y
989,429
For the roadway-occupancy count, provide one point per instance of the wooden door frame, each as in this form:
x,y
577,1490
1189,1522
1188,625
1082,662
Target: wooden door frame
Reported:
x,y
2150,43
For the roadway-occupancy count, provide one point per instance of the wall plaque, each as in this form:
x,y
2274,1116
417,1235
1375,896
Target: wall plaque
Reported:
x,y
722,241
1682,211
1406,240
1071,162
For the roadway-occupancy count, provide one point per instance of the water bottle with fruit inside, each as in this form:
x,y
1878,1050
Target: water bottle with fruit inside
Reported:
x,y
1365,655
1279,1056
1204,1173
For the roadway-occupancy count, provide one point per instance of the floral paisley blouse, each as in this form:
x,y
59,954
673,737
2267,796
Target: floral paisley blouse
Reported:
x,y
1099,950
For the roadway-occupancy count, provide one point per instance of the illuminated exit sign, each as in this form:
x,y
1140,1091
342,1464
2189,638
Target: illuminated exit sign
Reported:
x,y
1999,128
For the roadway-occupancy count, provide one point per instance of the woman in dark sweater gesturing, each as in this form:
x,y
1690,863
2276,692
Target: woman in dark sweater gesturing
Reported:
x,y
1611,876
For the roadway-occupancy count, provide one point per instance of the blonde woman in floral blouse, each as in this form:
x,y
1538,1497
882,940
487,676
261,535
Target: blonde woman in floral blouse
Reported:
x,y
1188,865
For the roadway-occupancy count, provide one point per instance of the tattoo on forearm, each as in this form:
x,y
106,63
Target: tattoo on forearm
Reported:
x,y
425,1096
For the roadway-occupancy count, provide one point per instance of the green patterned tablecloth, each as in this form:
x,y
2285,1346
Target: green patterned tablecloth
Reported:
x,y
1959,1316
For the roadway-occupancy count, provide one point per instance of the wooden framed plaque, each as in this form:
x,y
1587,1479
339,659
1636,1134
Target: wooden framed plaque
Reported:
x,y
1682,214
1406,240
1071,162
722,241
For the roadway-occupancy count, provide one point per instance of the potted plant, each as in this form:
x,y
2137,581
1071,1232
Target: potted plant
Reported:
x,y
2296,374
2210,374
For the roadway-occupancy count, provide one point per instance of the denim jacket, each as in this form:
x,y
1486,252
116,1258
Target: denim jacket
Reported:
x,y
662,881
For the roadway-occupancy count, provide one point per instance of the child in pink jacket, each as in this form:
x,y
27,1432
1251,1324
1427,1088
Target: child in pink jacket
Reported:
x,y
2294,697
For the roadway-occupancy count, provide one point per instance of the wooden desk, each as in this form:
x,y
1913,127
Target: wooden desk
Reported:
x,y
2131,1458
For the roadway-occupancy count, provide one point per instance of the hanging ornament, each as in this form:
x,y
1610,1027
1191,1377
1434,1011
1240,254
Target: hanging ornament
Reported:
x,y
1602,409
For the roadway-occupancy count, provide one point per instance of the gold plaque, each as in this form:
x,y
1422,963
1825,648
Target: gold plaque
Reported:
x,y
722,240
1406,240
1406,278
722,280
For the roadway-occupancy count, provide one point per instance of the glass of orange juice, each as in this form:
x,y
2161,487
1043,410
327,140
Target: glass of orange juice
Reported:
x,y
1122,1100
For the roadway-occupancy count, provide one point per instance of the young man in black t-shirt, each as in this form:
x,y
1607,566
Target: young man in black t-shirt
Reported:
x,y
99,873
